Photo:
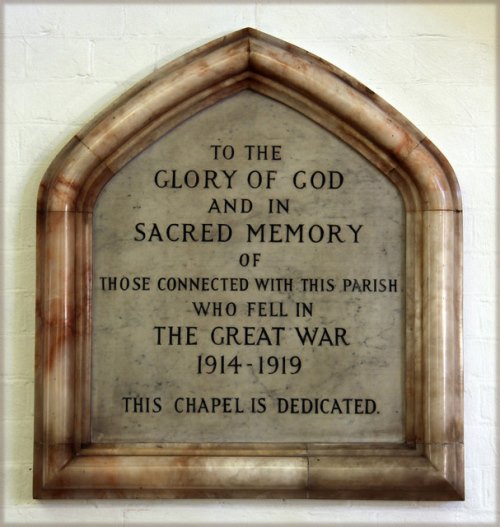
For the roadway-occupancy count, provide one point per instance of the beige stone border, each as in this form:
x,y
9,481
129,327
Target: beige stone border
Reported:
x,y
428,466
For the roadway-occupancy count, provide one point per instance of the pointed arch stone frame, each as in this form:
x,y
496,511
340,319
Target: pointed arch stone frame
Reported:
x,y
429,465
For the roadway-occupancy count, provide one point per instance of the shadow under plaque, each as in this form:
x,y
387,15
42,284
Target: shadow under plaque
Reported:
x,y
249,285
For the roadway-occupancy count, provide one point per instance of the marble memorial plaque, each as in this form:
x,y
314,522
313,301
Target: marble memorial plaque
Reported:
x,y
248,285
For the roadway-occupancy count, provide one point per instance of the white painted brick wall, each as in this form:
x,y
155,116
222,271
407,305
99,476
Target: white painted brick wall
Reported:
x,y
434,62
44,58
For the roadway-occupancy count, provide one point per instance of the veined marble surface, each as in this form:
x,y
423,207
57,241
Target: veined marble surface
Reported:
x,y
354,232
69,464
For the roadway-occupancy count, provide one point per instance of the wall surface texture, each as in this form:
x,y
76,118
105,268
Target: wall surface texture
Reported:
x,y
434,62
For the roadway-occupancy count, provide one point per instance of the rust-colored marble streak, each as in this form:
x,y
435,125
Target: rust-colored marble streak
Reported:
x,y
429,466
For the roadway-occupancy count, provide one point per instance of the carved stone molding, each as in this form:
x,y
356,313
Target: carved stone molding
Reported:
x,y
430,463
